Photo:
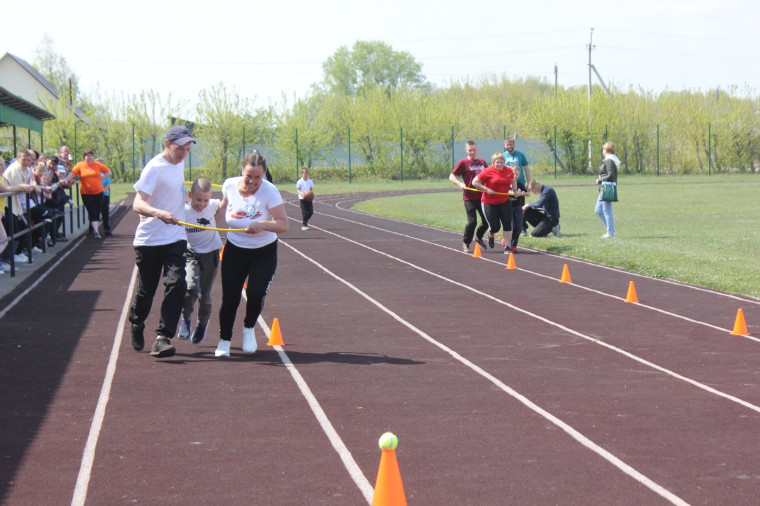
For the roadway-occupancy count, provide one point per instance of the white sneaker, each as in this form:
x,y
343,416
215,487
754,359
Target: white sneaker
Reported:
x,y
556,230
608,235
305,227
223,348
21,258
249,340
5,266
36,250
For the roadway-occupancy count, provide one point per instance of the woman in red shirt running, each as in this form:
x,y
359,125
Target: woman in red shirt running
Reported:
x,y
496,182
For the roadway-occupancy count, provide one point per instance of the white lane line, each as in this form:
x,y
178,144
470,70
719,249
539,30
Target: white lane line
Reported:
x,y
558,325
88,455
583,440
39,279
344,453
574,285
742,298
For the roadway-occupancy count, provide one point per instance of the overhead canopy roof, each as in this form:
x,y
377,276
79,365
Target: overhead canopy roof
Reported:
x,y
17,111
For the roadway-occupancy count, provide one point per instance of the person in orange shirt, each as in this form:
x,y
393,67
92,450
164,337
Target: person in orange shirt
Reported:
x,y
91,187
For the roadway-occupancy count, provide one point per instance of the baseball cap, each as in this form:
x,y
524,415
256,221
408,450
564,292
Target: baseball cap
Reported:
x,y
179,135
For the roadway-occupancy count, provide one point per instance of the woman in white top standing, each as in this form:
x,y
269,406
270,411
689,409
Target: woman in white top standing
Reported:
x,y
253,204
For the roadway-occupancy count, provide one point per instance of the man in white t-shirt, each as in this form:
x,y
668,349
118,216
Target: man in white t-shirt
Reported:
x,y
160,242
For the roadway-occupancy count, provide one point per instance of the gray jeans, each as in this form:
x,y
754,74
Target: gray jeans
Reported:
x,y
200,272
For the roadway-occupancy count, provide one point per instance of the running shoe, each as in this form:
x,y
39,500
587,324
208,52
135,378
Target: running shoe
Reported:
x,y
162,348
223,348
249,340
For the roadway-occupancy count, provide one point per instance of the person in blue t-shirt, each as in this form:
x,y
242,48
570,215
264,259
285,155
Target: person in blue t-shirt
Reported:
x,y
514,158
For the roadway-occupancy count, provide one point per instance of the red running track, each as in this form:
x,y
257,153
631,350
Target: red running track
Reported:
x,y
503,386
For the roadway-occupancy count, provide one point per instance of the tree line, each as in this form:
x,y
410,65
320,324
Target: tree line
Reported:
x,y
375,105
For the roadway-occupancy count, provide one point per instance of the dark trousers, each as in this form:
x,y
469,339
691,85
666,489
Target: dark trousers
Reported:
x,y
238,264
517,223
105,212
542,224
498,215
473,209
152,262
93,204
307,211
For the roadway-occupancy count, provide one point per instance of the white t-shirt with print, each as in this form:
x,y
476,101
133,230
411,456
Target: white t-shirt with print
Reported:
x,y
241,212
200,239
302,186
164,182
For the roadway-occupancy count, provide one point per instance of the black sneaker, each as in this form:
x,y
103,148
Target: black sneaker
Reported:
x,y
482,244
138,341
162,348
490,242
199,333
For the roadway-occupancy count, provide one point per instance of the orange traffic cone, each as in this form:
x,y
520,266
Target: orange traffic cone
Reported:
x,y
631,297
740,327
565,275
275,336
476,251
389,490
511,261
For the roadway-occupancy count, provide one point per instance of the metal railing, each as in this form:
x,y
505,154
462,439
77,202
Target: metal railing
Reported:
x,y
49,226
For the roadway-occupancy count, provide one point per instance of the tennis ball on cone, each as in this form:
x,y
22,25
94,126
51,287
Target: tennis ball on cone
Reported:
x,y
388,441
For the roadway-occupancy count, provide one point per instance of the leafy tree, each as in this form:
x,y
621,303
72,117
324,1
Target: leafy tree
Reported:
x,y
368,64
55,69
150,113
221,115
304,127
113,133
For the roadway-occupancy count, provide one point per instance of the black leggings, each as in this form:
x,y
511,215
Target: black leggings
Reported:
x,y
238,264
497,214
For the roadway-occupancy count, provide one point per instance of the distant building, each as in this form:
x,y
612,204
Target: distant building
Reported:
x,y
19,78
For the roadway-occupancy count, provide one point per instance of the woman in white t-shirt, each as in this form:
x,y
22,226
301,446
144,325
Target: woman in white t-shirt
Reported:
x,y
254,204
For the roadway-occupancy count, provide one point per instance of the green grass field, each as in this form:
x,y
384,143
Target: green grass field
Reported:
x,y
697,229
703,230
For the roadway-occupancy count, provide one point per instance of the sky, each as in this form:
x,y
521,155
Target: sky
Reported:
x,y
272,51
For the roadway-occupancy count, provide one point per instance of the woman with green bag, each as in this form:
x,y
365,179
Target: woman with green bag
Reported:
x,y
607,182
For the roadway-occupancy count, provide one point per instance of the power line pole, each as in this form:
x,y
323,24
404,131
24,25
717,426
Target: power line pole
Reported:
x,y
590,46
555,79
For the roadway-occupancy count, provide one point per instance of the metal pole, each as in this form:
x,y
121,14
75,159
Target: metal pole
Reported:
x,y
134,169
590,47
297,155
452,148
658,150
349,155
555,152
709,149
401,139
